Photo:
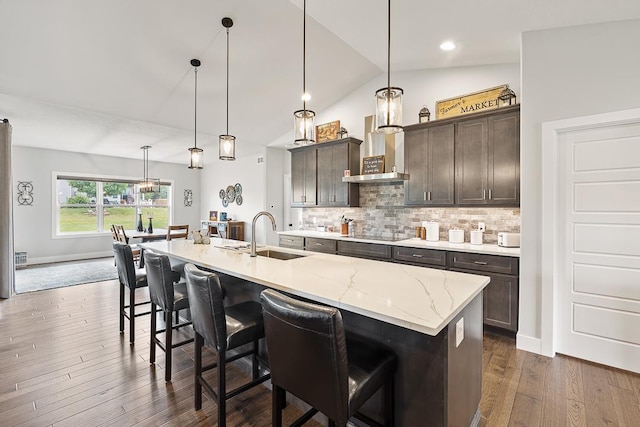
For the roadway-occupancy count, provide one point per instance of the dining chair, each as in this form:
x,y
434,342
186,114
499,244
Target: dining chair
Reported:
x,y
169,297
221,329
119,235
177,232
130,278
311,357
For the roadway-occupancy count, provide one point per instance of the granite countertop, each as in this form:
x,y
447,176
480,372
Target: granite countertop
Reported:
x,y
485,248
416,298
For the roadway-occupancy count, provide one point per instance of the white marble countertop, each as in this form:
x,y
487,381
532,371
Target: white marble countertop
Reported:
x,y
485,248
417,298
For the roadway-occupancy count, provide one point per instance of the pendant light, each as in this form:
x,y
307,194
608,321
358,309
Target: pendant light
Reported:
x,y
389,99
196,153
227,143
147,185
304,131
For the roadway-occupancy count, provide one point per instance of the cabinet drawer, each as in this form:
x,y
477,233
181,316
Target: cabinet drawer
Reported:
x,y
320,245
420,256
480,262
294,242
364,250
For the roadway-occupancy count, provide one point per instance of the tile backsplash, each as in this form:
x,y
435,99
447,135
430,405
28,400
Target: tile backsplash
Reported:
x,y
382,212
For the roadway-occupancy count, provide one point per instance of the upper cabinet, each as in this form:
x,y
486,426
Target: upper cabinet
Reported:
x,y
303,176
333,159
317,171
429,160
472,160
488,160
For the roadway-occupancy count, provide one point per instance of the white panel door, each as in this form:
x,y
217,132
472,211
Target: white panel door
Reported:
x,y
598,293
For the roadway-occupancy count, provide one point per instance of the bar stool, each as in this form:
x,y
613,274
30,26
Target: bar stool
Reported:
x,y
311,358
221,328
170,298
133,279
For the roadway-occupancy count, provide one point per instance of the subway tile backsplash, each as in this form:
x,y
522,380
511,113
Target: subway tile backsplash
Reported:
x,y
382,212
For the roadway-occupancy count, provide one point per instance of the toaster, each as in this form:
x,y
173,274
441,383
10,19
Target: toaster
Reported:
x,y
509,240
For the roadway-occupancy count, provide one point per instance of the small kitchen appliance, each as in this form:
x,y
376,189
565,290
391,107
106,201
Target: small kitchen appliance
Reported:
x,y
509,240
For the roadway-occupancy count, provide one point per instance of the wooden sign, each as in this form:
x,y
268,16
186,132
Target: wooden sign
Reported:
x,y
372,164
471,103
327,131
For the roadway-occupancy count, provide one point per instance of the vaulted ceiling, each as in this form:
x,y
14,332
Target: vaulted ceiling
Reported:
x,y
108,77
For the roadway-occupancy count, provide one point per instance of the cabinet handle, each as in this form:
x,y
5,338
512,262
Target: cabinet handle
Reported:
x,y
424,196
429,195
416,255
318,244
303,199
483,194
480,262
489,194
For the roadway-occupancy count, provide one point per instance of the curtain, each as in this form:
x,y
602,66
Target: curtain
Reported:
x,y
7,261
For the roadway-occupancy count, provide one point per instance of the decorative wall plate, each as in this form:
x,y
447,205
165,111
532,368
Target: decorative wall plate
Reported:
x,y
225,203
239,200
231,194
238,189
222,194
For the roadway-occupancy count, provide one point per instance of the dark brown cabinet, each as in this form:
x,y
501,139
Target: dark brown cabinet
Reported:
x,y
364,250
317,171
429,160
293,242
487,160
500,298
314,244
333,159
431,258
303,176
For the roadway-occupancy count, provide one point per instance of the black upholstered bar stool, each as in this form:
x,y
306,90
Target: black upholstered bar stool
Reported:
x,y
311,358
221,328
133,279
169,297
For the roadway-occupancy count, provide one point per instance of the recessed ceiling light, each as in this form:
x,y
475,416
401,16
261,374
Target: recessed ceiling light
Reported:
x,y
448,45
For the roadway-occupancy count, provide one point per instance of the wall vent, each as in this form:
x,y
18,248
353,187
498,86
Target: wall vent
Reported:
x,y
260,160
20,259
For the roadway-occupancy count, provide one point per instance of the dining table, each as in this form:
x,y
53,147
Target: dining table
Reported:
x,y
157,234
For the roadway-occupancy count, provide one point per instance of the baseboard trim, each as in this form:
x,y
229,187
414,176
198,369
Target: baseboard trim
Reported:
x,y
527,343
70,257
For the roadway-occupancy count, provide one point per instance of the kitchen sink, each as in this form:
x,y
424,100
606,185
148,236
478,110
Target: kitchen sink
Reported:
x,y
270,253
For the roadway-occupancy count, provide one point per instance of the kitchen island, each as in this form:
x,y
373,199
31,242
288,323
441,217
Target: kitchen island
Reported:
x,y
413,311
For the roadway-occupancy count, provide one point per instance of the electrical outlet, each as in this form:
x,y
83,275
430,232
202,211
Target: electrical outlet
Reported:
x,y
481,226
459,331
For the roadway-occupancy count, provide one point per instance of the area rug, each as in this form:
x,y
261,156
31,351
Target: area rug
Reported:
x,y
49,276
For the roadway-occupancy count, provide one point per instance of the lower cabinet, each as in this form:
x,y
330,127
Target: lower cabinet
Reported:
x,y
431,258
293,242
500,298
327,246
365,250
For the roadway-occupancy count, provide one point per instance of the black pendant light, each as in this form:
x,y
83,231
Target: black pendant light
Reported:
x,y
196,153
389,99
304,130
227,143
147,185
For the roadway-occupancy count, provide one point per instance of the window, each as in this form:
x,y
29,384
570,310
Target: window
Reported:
x,y
80,209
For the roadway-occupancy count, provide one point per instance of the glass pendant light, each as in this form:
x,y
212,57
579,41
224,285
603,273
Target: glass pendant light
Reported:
x,y
389,99
147,185
304,130
196,153
227,143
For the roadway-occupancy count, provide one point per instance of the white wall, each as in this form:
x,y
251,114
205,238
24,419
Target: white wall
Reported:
x,y
566,72
258,189
33,225
421,87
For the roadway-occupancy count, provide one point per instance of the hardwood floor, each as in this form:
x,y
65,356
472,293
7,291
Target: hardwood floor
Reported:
x,y
63,362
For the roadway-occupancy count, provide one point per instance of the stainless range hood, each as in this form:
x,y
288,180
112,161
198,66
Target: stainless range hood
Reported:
x,y
376,144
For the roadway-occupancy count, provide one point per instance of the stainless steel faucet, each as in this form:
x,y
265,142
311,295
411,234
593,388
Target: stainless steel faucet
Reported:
x,y
253,229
